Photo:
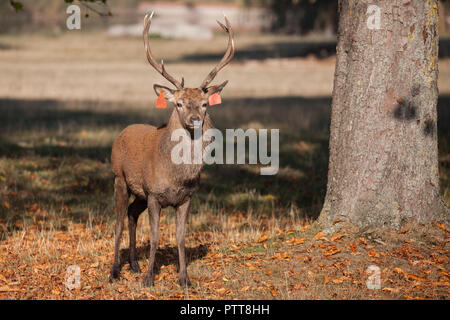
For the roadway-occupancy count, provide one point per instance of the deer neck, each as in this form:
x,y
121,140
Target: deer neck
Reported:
x,y
181,172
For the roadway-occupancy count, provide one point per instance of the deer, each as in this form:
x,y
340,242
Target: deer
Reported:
x,y
142,166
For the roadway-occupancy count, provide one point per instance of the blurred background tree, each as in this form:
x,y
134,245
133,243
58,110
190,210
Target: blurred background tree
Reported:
x,y
287,16
304,16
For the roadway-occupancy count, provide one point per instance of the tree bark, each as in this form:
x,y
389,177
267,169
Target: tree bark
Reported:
x,y
383,167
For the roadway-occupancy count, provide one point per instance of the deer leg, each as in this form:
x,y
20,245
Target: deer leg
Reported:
x,y
121,198
154,210
134,211
182,212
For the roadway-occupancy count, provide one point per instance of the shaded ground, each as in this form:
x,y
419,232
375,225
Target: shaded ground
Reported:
x,y
319,48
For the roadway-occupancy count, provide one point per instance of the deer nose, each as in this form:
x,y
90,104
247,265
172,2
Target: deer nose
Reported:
x,y
195,121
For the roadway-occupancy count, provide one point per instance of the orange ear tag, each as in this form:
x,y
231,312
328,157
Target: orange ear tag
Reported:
x,y
161,101
214,99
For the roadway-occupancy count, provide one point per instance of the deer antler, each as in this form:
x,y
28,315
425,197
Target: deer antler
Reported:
x,y
228,56
151,60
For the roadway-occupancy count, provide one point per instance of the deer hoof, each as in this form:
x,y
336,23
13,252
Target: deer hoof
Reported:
x,y
134,266
115,274
185,282
148,281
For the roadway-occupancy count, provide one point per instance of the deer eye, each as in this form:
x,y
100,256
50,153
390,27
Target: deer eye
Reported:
x,y
179,105
204,105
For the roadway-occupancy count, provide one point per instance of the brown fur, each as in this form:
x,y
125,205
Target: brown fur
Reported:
x,y
142,165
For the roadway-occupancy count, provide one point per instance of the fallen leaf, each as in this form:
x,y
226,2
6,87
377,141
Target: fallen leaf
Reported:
x,y
298,286
413,298
250,266
296,241
332,252
442,284
337,237
244,289
442,226
234,247
262,238
340,280
373,253
273,290
221,290
400,271
391,290
353,245
414,277
318,236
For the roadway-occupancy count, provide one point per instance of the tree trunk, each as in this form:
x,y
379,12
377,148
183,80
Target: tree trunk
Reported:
x,y
383,167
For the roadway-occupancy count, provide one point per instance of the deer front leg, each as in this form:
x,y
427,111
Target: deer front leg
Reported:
x,y
154,210
182,212
121,198
134,211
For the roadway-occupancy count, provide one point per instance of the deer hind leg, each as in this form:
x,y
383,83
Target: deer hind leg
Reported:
x,y
121,198
154,210
182,212
134,211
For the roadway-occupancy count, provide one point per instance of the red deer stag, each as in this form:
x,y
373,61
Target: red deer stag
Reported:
x,y
142,165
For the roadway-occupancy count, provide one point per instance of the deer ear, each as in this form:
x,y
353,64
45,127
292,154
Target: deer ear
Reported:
x,y
216,89
168,93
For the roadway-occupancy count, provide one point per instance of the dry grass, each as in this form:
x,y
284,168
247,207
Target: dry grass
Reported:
x,y
94,67
64,99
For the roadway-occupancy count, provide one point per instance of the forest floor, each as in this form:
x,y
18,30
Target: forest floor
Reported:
x,y
65,98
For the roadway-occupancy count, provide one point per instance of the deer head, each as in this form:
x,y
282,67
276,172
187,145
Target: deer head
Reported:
x,y
191,103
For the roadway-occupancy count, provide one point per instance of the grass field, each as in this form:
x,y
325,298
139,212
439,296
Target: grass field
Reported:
x,y
64,99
